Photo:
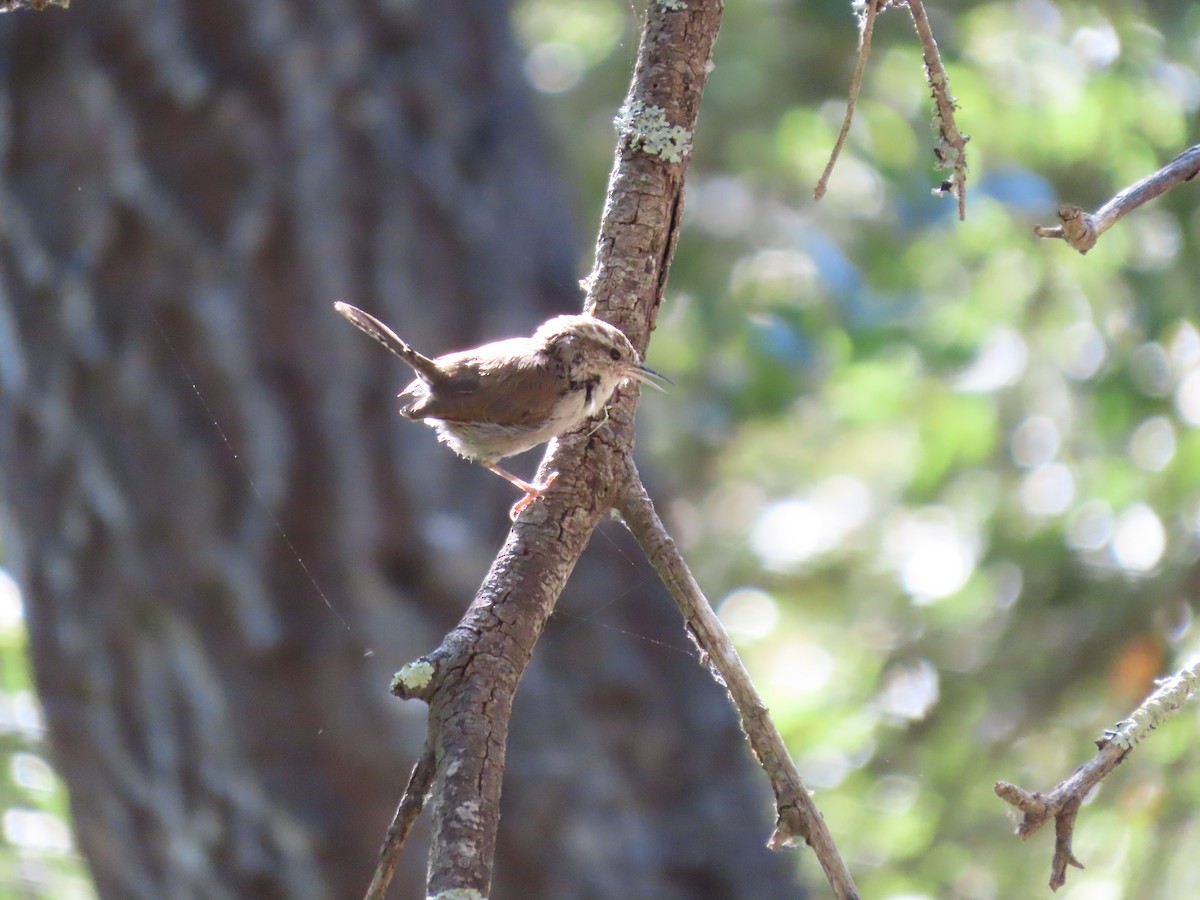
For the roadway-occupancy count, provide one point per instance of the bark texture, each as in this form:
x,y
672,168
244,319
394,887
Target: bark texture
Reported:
x,y
476,669
185,187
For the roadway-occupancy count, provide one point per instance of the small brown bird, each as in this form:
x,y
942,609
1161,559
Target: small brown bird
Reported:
x,y
508,396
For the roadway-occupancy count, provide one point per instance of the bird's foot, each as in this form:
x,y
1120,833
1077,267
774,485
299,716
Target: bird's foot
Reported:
x,y
532,492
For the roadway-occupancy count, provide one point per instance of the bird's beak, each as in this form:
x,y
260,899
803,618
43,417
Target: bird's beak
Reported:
x,y
647,375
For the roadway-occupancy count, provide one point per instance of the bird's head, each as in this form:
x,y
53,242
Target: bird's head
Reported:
x,y
592,349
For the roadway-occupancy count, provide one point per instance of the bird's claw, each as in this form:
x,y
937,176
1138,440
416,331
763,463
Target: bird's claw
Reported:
x,y
537,491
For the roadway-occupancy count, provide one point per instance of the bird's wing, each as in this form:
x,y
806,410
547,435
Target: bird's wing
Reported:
x,y
480,389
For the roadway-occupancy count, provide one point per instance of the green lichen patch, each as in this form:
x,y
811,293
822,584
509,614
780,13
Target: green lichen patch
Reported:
x,y
647,129
413,677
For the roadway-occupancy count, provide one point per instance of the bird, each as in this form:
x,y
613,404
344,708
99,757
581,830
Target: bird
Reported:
x,y
508,396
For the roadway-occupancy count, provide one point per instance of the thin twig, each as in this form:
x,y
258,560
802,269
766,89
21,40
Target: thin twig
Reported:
x,y
866,27
951,146
1062,804
411,804
1082,229
797,815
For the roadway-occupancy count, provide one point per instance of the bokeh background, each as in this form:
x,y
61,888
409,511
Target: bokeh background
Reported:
x,y
941,478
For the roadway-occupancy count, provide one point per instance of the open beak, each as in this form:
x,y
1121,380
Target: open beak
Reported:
x,y
647,375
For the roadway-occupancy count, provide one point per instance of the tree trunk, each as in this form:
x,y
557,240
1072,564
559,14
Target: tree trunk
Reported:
x,y
185,188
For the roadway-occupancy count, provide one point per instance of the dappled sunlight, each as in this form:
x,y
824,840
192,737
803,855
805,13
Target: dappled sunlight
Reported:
x,y
1091,526
930,553
33,773
1047,490
722,207
553,67
1035,442
1092,887
1096,46
856,189
1150,369
1138,539
1081,350
12,609
1152,445
824,769
1000,363
909,691
1187,398
748,613
565,39
775,275
1185,346
1156,239
21,714
35,827
789,533
1179,82
32,829
798,666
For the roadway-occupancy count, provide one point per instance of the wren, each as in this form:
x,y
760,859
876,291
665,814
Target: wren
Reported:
x,y
506,397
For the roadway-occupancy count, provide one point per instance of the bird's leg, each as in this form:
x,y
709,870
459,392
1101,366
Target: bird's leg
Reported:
x,y
532,491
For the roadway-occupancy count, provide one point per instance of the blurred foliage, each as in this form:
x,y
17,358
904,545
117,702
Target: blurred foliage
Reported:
x,y
943,477
37,855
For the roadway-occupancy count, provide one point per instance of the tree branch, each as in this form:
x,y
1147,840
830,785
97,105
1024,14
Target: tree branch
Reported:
x,y
410,807
950,148
1062,804
1082,229
866,28
797,815
470,680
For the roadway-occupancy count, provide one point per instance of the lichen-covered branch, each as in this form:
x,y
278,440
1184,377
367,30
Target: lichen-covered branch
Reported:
x,y
950,145
470,680
1062,804
640,225
1082,229
797,814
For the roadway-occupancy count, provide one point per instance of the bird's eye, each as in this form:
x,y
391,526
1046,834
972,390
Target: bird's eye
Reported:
x,y
615,353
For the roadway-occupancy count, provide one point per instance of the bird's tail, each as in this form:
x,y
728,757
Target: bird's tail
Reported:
x,y
423,365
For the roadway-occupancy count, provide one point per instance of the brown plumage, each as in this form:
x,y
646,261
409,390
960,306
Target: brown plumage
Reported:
x,y
508,396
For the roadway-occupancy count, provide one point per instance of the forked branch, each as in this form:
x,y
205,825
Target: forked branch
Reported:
x,y
470,680
1082,229
1062,804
